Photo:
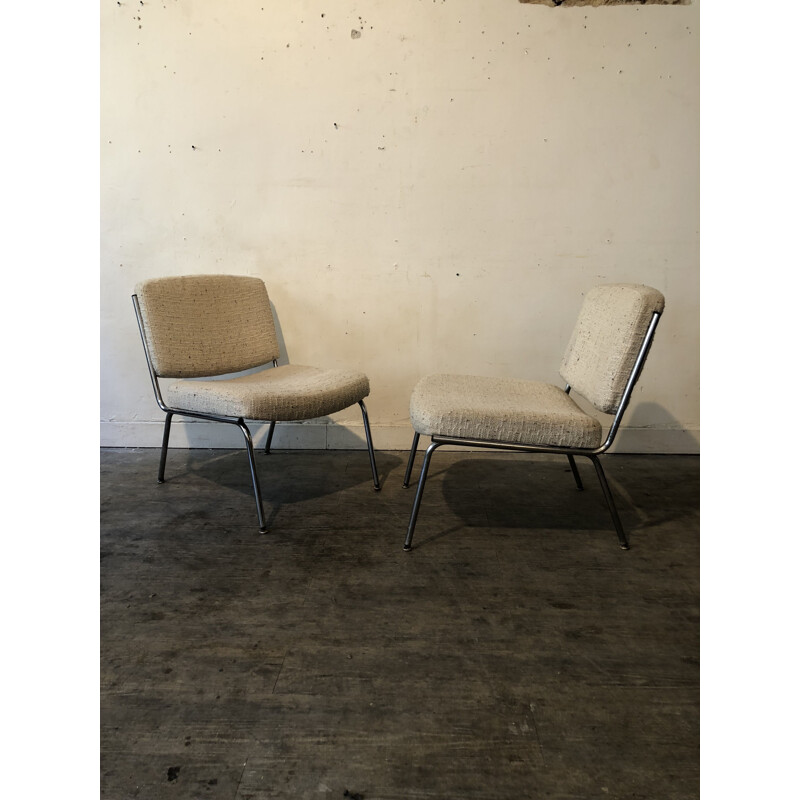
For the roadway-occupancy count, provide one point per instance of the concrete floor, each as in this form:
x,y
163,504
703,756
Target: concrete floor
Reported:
x,y
516,652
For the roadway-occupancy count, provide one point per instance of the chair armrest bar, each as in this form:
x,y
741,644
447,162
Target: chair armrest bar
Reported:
x,y
153,376
635,372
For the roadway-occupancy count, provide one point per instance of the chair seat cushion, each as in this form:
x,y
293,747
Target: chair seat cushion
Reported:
x,y
501,410
285,393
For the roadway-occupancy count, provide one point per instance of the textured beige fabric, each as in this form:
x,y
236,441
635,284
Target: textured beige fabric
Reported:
x,y
606,341
284,393
501,410
200,325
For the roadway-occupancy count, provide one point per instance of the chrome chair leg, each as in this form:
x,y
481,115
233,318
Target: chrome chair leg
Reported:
x,y
623,541
575,473
418,497
164,445
375,482
411,457
248,440
269,437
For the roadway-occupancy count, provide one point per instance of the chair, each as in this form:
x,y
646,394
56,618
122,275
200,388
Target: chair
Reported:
x,y
602,363
197,327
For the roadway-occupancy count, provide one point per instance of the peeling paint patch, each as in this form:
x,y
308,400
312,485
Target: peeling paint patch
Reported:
x,y
556,3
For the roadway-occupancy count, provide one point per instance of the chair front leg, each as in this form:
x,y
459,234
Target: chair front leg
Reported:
x,y
623,540
248,441
375,482
411,457
418,497
270,432
164,445
575,474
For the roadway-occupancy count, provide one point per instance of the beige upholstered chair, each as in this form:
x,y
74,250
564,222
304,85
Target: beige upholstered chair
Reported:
x,y
602,363
197,327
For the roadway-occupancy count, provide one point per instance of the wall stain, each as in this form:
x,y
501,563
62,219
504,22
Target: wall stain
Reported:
x,y
557,3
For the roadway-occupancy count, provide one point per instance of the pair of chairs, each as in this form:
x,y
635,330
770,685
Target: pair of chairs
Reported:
x,y
197,328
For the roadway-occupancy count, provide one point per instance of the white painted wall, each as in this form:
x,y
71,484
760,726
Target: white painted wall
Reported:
x,y
433,195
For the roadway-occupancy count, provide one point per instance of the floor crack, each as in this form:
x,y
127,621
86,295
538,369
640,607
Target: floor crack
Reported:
x,y
280,669
241,777
536,731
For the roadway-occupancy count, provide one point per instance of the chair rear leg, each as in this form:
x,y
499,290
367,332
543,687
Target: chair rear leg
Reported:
x,y
575,474
418,497
375,482
411,457
270,432
248,440
164,445
623,540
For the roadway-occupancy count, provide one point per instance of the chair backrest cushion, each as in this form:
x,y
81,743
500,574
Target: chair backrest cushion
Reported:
x,y
197,325
606,341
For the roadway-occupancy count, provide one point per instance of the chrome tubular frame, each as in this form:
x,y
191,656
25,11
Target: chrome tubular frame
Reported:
x,y
575,474
153,376
170,412
420,488
569,452
375,482
270,432
238,421
411,457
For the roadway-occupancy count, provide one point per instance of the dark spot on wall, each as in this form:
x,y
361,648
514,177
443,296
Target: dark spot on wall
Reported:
x,y
172,774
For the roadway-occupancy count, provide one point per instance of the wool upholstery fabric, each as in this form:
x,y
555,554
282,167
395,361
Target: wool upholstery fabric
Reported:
x,y
200,325
285,393
606,340
598,362
501,410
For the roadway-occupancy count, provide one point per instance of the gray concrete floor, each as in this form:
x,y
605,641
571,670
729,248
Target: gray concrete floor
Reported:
x,y
516,652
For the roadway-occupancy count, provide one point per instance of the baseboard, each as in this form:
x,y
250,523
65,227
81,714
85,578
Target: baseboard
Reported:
x,y
329,436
